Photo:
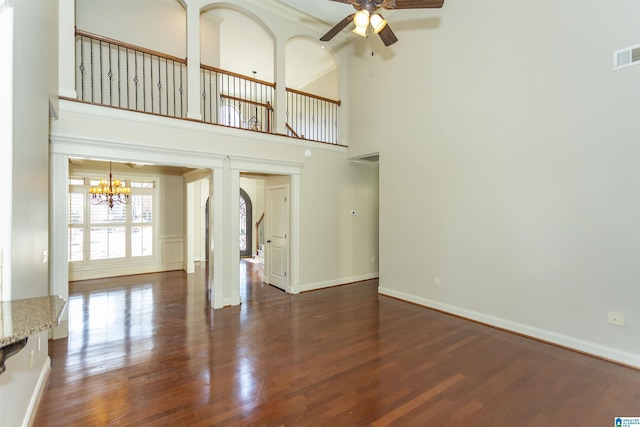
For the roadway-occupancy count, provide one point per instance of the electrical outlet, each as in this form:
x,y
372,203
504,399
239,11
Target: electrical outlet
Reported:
x,y
436,281
373,259
616,318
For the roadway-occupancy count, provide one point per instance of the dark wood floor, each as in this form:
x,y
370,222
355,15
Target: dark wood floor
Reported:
x,y
146,350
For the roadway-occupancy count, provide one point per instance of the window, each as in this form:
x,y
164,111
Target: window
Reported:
x,y
229,116
142,225
99,234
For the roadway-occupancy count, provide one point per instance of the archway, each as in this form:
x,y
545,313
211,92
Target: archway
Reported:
x,y
246,224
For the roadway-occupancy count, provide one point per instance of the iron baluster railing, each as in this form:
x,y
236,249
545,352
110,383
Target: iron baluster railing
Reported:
x,y
312,117
235,100
228,98
145,80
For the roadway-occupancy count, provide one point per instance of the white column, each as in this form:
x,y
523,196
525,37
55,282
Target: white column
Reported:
x,y
216,224
6,149
58,243
280,113
189,267
234,238
66,49
193,61
294,270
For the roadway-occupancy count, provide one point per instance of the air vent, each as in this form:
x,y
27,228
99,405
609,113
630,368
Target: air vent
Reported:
x,y
626,57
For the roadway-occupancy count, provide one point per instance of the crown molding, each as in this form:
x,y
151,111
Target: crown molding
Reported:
x,y
276,7
293,14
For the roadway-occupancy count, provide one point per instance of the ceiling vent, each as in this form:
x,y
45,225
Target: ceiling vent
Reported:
x,y
626,57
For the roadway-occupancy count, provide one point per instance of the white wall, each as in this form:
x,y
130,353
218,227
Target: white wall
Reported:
x,y
6,145
244,45
210,40
510,165
21,382
30,144
152,24
26,185
311,68
331,238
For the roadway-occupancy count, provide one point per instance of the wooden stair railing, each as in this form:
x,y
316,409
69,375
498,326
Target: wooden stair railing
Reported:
x,y
258,232
293,132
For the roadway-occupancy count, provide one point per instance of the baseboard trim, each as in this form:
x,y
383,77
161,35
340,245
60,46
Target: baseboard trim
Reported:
x,y
338,282
90,273
32,409
61,330
610,354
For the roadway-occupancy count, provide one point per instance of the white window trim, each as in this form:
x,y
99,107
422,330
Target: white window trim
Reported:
x,y
128,259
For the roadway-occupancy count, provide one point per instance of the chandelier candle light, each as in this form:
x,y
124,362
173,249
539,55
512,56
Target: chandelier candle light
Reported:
x,y
110,192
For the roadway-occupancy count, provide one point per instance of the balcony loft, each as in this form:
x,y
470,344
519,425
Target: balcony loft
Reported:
x,y
124,76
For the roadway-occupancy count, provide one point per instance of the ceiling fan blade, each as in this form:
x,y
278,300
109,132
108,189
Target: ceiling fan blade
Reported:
x,y
343,1
337,28
415,4
387,36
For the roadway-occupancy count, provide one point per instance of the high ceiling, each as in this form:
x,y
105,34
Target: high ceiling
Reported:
x,y
328,11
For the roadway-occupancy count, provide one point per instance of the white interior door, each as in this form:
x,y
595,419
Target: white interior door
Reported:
x,y
276,230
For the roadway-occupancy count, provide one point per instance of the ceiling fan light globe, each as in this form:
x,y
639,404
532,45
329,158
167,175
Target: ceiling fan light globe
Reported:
x,y
361,18
361,31
377,23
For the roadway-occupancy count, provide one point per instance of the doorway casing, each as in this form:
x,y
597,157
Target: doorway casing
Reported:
x,y
225,265
267,167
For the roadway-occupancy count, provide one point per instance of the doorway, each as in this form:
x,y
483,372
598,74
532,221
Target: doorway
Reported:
x,y
270,258
246,225
251,207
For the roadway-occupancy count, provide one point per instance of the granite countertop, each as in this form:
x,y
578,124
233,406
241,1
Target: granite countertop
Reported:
x,y
25,317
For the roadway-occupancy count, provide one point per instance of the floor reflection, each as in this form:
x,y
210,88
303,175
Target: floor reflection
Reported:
x,y
118,318
121,319
252,283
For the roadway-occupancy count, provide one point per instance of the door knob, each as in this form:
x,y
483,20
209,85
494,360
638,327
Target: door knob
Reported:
x,y
268,241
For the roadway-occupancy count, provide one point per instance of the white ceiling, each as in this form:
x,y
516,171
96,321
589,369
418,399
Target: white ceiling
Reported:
x,y
330,12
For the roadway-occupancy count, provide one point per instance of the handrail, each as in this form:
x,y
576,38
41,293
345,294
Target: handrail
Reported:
x,y
122,75
129,77
290,129
248,101
130,46
310,95
312,116
258,231
241,76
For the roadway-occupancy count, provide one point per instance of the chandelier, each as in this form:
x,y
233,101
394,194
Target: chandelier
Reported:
x,y
110,192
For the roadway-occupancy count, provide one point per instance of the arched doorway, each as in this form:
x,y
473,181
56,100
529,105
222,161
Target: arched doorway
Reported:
x,y
246,224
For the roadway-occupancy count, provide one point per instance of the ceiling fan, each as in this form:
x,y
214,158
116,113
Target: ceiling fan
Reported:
x,y
366,15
